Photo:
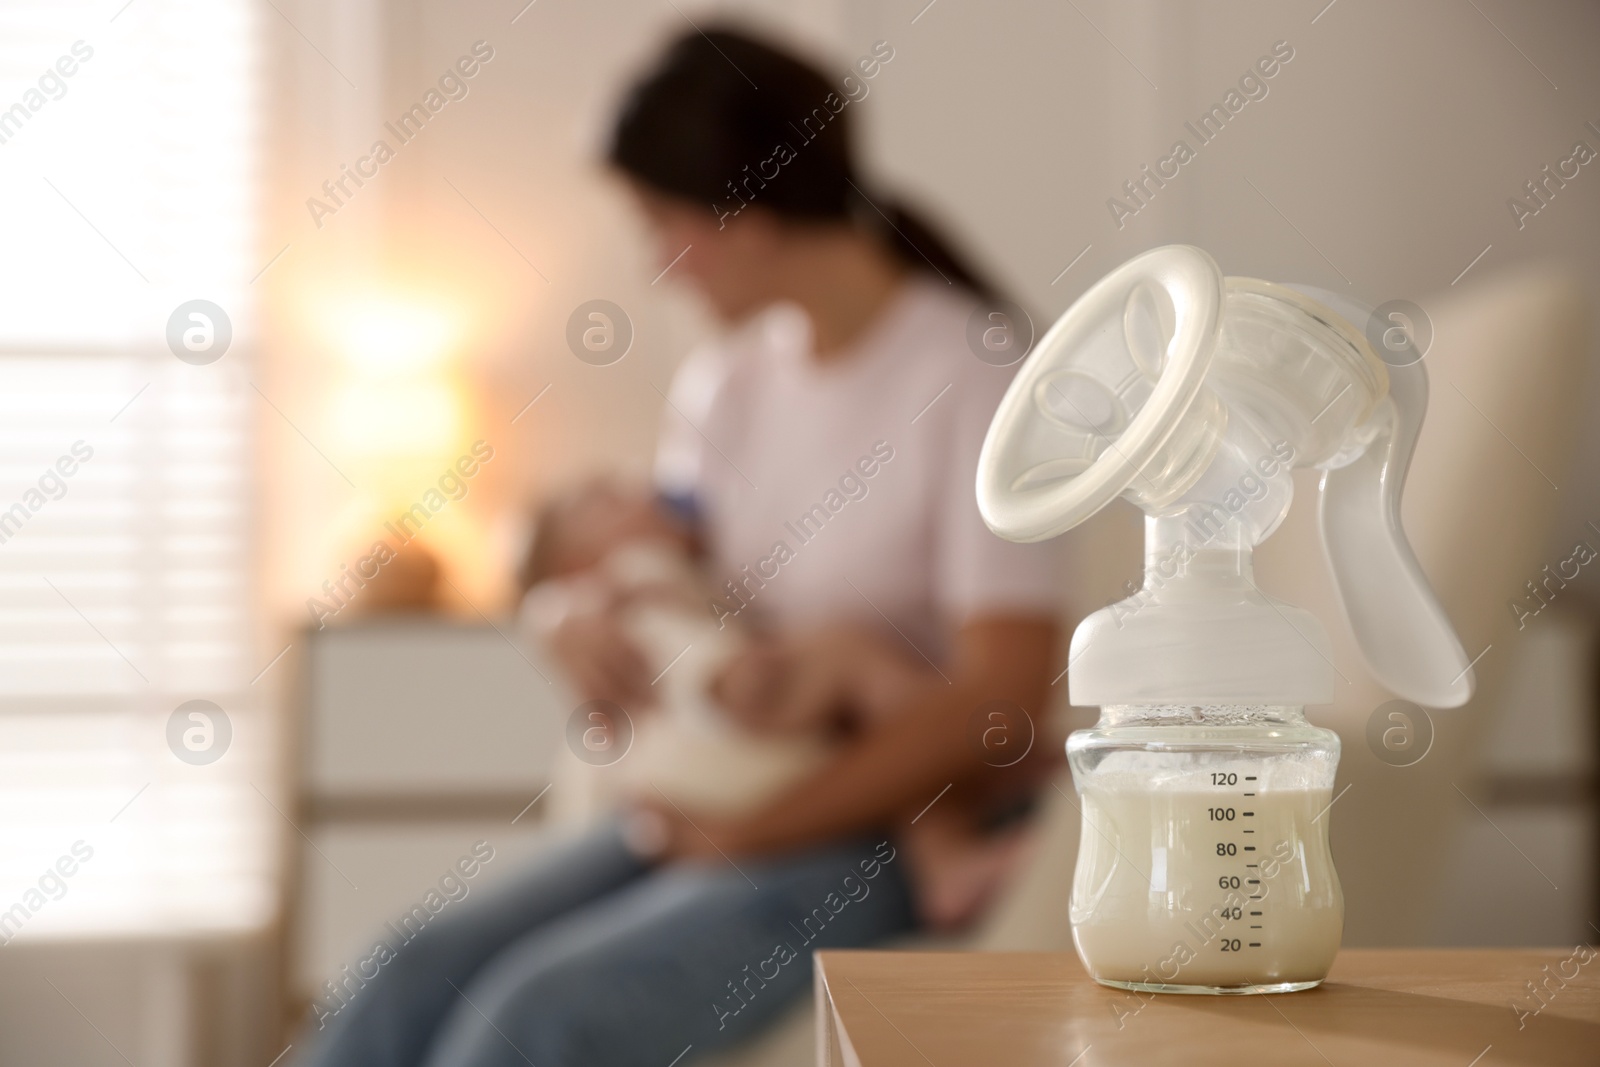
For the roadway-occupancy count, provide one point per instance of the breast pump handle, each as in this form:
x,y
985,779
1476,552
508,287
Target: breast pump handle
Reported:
x,y
1403,633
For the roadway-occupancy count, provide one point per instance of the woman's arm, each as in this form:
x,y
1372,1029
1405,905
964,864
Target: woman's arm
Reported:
x,y
904,760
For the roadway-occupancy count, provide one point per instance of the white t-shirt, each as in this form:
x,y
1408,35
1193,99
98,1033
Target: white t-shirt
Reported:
x,y
845,490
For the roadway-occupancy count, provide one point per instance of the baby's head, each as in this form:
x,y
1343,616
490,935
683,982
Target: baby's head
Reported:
x,y
578,528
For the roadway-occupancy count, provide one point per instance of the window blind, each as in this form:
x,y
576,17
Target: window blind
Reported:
x,y
128,156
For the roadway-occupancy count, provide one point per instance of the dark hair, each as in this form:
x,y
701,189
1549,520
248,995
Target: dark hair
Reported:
x,y
718,105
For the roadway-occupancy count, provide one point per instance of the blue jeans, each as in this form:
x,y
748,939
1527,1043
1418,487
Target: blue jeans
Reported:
x,y
593,958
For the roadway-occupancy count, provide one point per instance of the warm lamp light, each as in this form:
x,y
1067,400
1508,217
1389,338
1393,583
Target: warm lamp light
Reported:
x,y
393,421
382,336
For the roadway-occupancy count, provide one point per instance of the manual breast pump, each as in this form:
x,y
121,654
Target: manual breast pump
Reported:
x,y
1204,864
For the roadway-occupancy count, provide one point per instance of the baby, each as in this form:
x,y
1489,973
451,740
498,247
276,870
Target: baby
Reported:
x,y
606,543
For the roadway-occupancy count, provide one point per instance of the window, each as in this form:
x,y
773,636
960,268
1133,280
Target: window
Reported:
x,y
127,161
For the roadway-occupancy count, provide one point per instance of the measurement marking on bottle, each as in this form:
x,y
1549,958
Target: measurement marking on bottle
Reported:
x,y
1249,777
1255,944
1255,896
1249,848
1255,913
1248,814
1249,794
1253,881
1255,927
1249,831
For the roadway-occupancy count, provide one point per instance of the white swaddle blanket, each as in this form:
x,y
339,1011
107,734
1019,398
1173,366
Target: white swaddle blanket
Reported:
x,y
686,747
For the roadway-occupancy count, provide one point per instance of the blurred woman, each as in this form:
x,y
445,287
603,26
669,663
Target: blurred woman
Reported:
x,y
824,450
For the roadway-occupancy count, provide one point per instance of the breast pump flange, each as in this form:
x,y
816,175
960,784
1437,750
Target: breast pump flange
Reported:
x,y
1203,864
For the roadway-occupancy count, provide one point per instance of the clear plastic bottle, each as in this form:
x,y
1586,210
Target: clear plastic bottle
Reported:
x,y
1204,864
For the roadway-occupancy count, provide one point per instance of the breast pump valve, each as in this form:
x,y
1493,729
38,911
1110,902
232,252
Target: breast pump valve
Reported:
x,y
1204,864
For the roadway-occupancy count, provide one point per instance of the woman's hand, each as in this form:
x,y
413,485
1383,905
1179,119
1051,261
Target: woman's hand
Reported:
x,y
598,654
799,683
754,687
828,675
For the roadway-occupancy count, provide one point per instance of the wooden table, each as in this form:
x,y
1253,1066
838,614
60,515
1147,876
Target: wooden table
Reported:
x,y
1451,1007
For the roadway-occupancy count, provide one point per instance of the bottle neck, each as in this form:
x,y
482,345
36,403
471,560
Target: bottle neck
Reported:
x,y
1245,715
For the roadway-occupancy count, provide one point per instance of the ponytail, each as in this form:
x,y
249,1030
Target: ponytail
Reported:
x,y
915,242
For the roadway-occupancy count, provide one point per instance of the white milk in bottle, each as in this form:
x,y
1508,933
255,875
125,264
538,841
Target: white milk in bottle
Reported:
x,y
1217,879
